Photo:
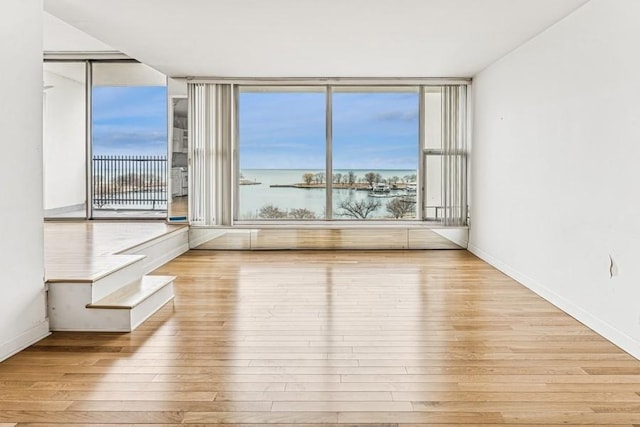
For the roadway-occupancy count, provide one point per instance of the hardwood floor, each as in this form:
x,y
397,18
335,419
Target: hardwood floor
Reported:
x,y
84,250
96,238
405,338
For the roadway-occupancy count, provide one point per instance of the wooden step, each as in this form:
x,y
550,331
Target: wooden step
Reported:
x,y
123,310
133,294
88,264
74,268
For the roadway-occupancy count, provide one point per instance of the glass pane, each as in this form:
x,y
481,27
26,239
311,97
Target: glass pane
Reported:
x,y
375,153
433,118
282,140
129,129
433,200
64,146
179,161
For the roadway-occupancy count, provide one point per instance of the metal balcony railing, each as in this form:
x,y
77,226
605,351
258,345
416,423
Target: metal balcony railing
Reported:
x,y
130,182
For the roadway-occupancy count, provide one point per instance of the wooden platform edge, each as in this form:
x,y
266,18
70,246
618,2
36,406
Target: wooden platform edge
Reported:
x,y
130,260
136,291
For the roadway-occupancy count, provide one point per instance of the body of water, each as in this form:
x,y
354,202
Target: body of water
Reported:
x,y
253,198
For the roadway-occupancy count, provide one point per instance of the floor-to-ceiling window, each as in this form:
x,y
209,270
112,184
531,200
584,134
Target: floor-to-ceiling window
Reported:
x,y
375,152
282,146
129,140
264,153
105,140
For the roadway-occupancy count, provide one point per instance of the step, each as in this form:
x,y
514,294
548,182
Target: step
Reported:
x,y
121,311
132,268
86,269
134,293
90,280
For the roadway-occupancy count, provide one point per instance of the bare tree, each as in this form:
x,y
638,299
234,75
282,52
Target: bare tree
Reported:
x,y
337,177
370,177
359,209
271,212
398,208
410,178
129,179
308,178
302,213
319,177
352,177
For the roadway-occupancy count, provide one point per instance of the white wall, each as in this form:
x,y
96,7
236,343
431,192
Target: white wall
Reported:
x,y
64,141
555,167
22,299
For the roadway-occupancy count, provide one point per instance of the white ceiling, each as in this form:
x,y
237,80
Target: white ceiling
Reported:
x,y
313,38
62,37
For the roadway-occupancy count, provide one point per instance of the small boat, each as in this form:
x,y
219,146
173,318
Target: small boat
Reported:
x,y
381,195
412,187
380,188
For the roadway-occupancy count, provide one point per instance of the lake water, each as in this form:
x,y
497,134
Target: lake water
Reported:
x,y
253,197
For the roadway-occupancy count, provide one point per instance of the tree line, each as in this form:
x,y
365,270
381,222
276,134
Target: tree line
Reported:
x,y
356,209
351,178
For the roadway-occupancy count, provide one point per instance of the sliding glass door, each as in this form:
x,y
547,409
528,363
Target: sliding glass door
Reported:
x,y
105,140
129,141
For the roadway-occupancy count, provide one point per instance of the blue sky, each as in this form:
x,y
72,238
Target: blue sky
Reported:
x,y
277,130
287,130
129,120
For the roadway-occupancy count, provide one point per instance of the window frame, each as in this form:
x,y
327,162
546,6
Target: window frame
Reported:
x,y
89,61
329,84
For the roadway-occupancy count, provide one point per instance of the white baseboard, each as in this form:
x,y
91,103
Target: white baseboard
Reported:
x,y
24,340
64,210
459,236
617,337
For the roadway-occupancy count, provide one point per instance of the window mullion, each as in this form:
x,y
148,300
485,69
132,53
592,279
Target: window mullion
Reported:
x,y
328,155
421,175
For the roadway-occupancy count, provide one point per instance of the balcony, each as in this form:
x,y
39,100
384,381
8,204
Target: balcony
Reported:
x,y
129,186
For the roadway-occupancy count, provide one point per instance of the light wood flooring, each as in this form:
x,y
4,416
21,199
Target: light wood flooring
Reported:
x,y
84,250
405,338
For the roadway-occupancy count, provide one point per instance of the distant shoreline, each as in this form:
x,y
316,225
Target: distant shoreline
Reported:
x,y
249,182
344,186
354,186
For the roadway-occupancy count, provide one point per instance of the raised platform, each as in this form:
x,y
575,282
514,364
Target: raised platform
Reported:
x,y
96,272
